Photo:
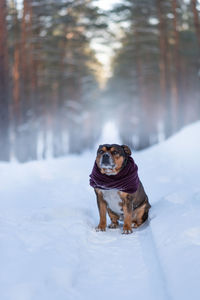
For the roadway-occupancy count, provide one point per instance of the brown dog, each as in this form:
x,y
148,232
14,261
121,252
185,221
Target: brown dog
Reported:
x,y
118,188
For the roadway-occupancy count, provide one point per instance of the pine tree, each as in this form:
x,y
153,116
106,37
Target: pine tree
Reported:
x,y
155,72
4,86
55,80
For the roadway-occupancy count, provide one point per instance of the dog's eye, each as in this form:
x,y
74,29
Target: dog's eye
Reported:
x,y
115,152
101,151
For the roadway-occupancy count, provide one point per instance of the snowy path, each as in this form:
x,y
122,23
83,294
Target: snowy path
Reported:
x,y
122,267
50,249
72,258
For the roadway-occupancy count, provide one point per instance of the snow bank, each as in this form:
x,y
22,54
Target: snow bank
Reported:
x,y
50,249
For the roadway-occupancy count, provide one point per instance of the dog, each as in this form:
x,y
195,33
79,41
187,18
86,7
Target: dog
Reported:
x,y
118,188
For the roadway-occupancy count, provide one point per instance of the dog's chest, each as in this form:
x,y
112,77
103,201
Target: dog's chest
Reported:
x,y
113,200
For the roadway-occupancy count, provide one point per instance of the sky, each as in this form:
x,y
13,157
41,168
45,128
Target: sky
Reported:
x,y
106,4
104,52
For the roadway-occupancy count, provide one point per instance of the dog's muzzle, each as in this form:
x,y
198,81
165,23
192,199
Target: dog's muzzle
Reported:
x,y
106,161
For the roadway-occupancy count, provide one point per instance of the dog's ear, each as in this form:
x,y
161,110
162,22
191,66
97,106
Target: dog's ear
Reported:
x,y
127,150
100,146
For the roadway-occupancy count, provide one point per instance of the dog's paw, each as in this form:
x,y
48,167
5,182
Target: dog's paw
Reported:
x,y
100,228
127,229
113,226
135,225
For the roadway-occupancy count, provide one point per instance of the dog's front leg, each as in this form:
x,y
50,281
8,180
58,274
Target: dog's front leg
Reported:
x,y
102,206
127,209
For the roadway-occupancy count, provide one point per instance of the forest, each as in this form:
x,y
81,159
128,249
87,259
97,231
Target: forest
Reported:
x,y
52,101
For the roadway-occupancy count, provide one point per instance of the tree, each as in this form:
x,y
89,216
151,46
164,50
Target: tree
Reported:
x,y
155,72
134,65
176,73
4,86
55,80
196,19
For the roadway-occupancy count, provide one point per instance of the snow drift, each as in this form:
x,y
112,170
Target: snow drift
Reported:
x,y
50,249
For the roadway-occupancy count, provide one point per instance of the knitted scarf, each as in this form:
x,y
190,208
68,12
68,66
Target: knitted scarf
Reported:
x,y
126,180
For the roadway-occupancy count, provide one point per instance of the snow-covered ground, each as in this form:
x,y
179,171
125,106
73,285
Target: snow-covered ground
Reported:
x,y
49,249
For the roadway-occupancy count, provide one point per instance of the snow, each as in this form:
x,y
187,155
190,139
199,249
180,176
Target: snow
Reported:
x,y
49,246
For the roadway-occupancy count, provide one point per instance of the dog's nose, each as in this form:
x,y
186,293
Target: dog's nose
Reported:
x,y
105,159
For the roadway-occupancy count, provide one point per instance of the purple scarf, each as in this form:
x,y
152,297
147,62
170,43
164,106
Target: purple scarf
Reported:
x,y
126,180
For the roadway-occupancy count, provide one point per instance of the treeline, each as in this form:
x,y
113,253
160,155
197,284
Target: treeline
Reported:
x,y
155,85
49,77
50,100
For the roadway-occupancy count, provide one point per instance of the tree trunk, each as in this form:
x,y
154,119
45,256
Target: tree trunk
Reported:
x,y
58,126
16,90
4,87
175,83
144,140
196,19
16,84
164,69
27,135
197,28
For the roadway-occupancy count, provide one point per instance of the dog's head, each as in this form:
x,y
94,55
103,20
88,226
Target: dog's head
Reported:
x,y
112,158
